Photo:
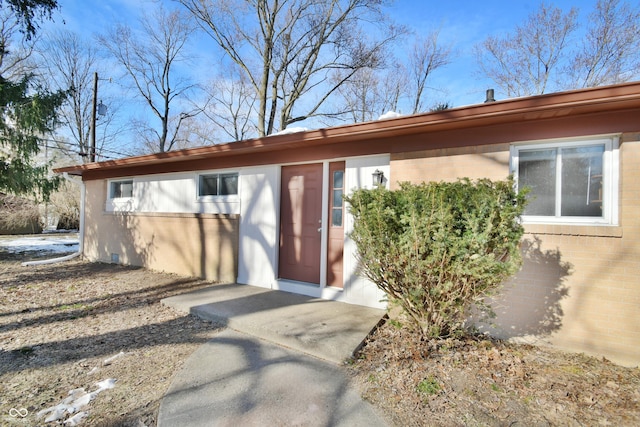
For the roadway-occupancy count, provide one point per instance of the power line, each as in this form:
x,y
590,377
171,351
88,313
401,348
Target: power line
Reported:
x,y
100,151
69,151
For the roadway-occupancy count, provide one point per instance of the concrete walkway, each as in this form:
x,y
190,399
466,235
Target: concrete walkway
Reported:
x,y
277,363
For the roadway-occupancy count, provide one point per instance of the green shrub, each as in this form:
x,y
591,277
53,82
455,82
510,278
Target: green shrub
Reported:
x,y
438,249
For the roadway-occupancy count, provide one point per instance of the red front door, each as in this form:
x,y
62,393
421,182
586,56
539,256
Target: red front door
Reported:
x,y
300,223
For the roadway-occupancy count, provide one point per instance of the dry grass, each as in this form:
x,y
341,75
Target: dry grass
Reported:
x,y
59,323
480,382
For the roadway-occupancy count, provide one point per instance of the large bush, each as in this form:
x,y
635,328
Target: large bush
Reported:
x,y
65,204
19,215
438,249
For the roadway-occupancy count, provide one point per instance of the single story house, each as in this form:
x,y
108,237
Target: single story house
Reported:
x,y
268,211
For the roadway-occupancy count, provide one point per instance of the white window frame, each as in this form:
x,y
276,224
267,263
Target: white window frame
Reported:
x,y
610,174
110,184
225,197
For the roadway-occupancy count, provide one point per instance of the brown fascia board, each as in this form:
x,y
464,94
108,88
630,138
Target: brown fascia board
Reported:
x,y
562,104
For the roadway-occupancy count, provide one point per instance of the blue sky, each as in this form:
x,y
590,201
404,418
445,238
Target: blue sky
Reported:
x,y
462,24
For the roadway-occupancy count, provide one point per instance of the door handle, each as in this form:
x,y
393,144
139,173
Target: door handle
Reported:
x,y
319,229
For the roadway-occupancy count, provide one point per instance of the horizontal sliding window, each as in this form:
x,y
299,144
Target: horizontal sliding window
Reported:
x,y
222,184
121,189
568,182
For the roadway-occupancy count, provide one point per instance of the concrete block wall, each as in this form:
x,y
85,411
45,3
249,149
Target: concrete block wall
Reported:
x,y
579,287
189,244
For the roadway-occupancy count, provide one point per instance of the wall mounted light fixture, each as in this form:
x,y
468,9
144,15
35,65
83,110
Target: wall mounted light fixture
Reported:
x,y
378,178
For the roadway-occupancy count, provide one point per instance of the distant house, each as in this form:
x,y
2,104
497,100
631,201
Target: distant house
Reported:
x,y
268,212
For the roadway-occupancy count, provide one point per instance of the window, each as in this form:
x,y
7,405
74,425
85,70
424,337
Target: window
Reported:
x,y
121,189
336,198
572,182
223,184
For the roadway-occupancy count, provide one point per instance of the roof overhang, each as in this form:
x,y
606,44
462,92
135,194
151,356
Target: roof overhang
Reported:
x,y
542,107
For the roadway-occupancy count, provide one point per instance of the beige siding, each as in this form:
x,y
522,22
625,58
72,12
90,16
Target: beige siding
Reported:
x,y
449,164
198,245
579,288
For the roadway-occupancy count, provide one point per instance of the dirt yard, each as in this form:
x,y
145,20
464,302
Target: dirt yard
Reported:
x,y
77,325
73,325
479,382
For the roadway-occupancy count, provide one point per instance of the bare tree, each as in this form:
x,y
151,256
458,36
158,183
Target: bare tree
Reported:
x,y
150,58
426,57
70,63
360,95
231,106
289,49
526,62
609,52
16,51
393,87
371,93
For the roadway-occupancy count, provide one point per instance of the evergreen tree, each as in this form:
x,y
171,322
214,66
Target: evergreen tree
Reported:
x,y
27,113
28,12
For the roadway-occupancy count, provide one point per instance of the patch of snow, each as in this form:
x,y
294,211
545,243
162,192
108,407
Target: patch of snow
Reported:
x,y
81,402
389,115
112,358
78,398
40,244
76,419
106,384
74,395
57,412
290,130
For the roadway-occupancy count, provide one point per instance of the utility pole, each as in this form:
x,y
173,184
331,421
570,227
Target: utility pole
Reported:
x,y
94,106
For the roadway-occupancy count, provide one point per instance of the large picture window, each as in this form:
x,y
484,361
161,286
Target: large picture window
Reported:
x,y
222,184
568,182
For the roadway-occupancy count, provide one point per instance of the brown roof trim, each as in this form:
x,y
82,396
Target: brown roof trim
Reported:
x,y
563,104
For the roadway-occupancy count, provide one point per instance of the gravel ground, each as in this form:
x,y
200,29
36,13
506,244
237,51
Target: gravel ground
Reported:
x,y
77,325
